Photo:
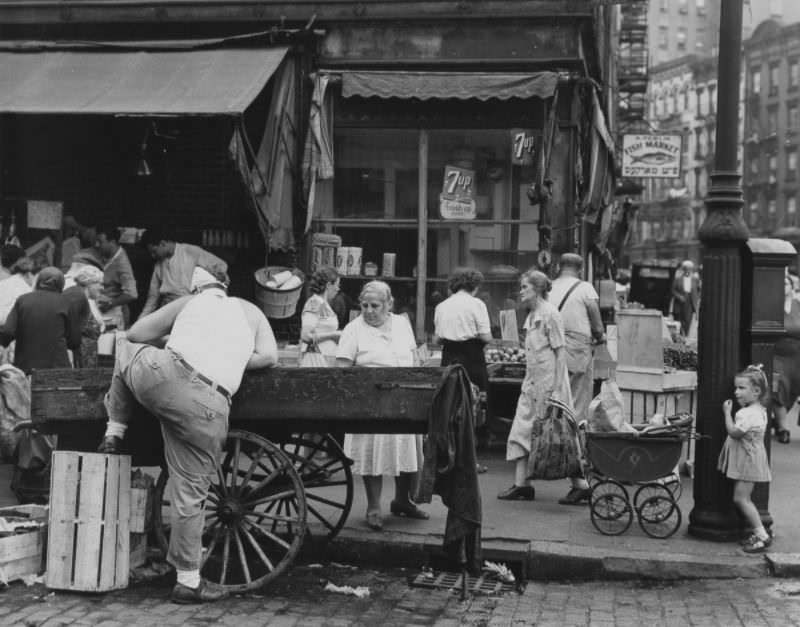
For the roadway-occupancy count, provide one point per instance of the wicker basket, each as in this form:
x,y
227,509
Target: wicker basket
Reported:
x,y
277,303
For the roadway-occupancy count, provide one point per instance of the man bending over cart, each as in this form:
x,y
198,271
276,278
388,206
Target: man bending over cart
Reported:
x,y
187,385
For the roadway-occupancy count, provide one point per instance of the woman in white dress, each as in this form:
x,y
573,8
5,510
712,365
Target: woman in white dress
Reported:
x,y
379,338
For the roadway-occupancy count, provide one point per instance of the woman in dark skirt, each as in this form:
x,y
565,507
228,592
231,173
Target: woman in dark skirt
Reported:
x,y
462,326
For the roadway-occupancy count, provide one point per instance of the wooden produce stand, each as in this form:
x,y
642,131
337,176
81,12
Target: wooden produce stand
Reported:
x,y
647,386
282,475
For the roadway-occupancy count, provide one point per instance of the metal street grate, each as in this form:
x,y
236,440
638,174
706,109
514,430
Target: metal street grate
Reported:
x,y
485,584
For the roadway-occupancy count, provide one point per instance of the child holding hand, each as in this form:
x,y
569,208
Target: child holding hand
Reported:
x,y
744,457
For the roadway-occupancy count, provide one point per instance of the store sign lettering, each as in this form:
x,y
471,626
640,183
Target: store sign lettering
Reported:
x,y
523,144
651,156
457,200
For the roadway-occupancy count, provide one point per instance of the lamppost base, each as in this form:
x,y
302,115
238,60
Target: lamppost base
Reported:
x,y
715,524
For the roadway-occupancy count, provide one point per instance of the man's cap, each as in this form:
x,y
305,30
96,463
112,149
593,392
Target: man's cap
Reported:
x,y
571,259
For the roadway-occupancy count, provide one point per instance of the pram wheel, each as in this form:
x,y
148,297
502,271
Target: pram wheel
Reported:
x,y
659,516
610,509
649,490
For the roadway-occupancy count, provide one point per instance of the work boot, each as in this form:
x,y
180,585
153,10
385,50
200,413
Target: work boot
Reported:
x,y
518,493
111,445
206,592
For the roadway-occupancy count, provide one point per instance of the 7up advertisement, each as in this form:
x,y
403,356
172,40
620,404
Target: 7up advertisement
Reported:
x,y
457,200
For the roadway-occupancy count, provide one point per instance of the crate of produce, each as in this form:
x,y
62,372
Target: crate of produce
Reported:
x,y
88,546
23,533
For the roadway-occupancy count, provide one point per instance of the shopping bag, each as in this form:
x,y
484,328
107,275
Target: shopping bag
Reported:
x,y
606,411
554,444
313,358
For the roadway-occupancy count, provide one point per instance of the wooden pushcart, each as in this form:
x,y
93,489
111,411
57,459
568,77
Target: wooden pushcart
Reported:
x,y
282,477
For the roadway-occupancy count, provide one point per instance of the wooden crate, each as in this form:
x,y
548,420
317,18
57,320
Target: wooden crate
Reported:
x,y
22,554
88,545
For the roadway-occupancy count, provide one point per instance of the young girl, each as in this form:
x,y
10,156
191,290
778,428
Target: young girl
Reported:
x,y
744,457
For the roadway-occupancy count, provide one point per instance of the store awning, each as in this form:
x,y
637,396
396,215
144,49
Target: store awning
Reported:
x,y
186,82
461,85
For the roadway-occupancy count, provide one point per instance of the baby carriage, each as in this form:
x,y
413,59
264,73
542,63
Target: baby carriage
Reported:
x,y
644,462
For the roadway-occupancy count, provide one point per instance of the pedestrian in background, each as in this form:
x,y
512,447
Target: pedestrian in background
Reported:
x,y
743,458
175,263
319,324
380,338
546,377
119,284
579,305
462,327
685,295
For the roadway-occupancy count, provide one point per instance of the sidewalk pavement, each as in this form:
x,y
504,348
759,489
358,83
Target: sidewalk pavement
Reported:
x,y
542,540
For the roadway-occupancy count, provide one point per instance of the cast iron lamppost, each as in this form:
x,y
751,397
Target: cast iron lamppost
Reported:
x,y
723,235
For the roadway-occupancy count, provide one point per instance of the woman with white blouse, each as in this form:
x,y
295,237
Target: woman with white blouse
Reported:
x,y
379,338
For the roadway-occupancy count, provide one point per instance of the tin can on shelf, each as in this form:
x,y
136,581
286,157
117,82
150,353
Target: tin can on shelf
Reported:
x,y
389,263
328,256
354,260
342,253
316,258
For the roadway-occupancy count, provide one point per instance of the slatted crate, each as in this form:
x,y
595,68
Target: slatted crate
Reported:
x,y
88,547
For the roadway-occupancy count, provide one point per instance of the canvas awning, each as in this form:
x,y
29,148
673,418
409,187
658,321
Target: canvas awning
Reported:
x,y
185,82
461,85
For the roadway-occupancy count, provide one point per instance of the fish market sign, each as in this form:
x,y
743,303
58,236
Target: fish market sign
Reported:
x,y
651,156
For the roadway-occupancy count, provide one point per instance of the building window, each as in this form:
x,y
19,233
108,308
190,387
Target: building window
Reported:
x,y
712,98
794,74
774,78
755,81
791,164
700,5
772,208
683,6
791,211
773,168
772,122
664,5
793,117
680,38
663,37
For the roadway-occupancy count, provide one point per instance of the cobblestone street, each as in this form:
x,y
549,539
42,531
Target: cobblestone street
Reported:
x,y
299,599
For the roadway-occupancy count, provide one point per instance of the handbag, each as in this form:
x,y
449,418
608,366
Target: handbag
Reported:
x,y
313,358
555,451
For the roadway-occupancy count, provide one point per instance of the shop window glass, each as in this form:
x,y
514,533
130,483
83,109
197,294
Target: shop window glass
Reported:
x,y
791,211
680,38
791,165
794,73
772,121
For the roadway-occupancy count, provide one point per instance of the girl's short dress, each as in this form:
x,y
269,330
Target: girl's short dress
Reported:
x,y
745,459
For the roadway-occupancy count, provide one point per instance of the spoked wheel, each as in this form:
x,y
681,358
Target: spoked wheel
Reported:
x,y
659,516
610,509
255,514
327,481
648,490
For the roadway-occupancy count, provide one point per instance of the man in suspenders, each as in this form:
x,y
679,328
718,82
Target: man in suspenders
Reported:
x,y
578,303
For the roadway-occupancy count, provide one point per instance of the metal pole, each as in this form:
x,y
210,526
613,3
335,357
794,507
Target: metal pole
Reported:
x,y
722,235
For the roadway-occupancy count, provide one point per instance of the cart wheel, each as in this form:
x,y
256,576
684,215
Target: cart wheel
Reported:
x,y
323,468
610,509
255,514
659,516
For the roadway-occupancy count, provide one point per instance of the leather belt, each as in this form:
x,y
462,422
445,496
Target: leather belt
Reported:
x,y
196,373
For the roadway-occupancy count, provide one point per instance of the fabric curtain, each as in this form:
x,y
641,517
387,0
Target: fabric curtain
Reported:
x,y
318,151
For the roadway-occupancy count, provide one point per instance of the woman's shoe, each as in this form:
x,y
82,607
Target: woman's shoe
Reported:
x,y
410,510
374,521
518,493
783,436
754,544
576,496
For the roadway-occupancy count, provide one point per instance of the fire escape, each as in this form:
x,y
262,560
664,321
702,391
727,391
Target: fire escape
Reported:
x,y
632,66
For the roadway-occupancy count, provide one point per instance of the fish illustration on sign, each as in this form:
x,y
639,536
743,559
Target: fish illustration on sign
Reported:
x,y
653,158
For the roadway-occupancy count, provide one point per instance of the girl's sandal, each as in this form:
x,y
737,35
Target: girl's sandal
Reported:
x,y
754,544
374,521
